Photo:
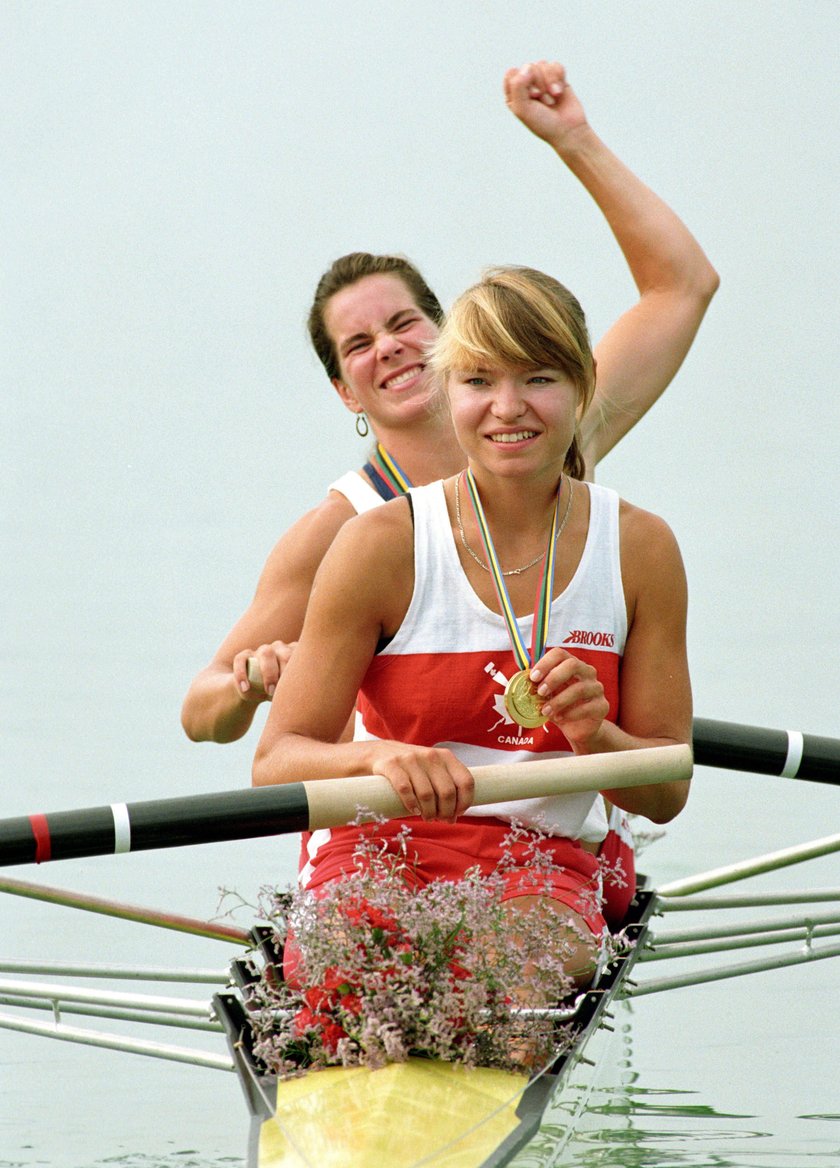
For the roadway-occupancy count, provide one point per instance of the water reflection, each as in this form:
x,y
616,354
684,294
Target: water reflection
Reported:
x,y
611,1116
184,1159
608,1118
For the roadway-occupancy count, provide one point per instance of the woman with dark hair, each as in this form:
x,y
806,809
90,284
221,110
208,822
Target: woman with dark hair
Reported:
x,y
421,606
371,322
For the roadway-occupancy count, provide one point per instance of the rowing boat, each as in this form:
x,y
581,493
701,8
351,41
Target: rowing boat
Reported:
x,y
447,1116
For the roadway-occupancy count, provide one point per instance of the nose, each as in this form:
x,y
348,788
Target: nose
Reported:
x,y
388,345
508,403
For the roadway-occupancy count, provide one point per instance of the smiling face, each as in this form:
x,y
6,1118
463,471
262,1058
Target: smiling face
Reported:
x,y
381,338
510,421
515,355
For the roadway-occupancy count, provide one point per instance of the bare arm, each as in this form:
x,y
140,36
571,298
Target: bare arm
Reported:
x,y
655,692
350,609
220,703
640,354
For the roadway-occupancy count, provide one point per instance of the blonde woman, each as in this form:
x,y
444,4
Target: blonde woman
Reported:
x,y
425,609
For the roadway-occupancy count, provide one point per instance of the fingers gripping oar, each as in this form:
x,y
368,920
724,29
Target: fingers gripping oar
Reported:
x,y
308,806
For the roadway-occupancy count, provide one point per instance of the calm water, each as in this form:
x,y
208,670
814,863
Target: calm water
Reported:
x,y
742,1073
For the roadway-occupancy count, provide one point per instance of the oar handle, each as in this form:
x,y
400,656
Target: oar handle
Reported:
x,y
336,801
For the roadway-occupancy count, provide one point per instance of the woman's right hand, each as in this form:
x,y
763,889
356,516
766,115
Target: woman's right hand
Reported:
x,y
430,780
257,671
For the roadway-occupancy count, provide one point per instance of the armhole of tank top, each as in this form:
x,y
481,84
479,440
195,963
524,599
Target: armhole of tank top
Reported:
x,y
384,642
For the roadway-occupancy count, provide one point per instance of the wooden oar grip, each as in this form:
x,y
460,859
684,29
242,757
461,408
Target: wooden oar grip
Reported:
x,y
333,802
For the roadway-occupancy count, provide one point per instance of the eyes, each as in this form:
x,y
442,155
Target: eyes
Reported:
x,y
362,342
480,380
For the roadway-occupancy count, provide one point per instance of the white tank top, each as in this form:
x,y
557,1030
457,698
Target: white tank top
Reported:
x,y
441,680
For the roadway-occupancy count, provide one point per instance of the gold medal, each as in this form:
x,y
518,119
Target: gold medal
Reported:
x,y
522,701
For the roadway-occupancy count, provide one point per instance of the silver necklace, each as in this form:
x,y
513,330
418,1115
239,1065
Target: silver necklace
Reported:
x,y
525,567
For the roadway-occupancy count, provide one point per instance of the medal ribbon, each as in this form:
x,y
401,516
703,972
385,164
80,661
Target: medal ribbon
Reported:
x,y
542,604
387,476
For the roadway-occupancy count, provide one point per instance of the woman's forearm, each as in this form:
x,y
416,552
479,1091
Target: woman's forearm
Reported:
x,y
661,252
214,709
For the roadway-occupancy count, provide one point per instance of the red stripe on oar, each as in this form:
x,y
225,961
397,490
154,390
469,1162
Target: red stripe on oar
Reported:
x,y
41,832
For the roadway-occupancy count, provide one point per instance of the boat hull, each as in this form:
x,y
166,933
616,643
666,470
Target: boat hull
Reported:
x,y
421,1111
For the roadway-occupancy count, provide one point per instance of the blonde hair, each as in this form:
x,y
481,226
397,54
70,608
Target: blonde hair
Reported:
x,y
519,318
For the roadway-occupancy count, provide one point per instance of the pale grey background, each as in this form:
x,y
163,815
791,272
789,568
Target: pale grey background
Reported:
x,y
175,178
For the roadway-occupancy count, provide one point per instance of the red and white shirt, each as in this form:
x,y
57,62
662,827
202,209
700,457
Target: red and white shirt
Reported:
x,y
441,679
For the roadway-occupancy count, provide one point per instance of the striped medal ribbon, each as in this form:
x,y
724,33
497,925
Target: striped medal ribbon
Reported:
x,y
387,476
521,699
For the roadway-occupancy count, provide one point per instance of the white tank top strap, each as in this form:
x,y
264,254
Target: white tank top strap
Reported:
x,y
357,491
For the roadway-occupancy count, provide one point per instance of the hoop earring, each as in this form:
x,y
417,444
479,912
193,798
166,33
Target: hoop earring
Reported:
x,y
362,427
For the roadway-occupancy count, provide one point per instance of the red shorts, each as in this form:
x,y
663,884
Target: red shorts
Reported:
x,y
445,851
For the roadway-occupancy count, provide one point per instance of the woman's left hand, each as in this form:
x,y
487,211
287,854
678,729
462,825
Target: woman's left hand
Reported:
x,y
541,97
573,697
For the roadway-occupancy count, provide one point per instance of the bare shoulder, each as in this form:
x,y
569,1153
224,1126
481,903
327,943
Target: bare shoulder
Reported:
x,y
304,545
277,608
385,532
371,563
645,531
651,561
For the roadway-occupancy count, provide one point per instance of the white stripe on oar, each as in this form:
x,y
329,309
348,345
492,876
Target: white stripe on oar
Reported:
x,y
787,753
122,828
795,750
333,802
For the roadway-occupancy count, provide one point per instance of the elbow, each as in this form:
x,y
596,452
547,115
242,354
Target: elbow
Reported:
x,y
694,285
673,799
701,282
213,711
708,282
191,726
198,729
263,773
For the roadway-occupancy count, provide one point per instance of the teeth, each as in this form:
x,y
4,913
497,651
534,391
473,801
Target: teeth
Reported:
x,y
401,378
519,436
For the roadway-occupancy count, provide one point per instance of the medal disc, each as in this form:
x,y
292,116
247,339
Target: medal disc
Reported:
x,y
522,701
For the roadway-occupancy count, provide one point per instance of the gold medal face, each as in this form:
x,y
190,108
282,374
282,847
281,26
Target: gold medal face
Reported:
x,y
522,701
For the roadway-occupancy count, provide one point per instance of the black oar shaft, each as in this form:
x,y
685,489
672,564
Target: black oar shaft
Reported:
x,y
768,752
154,823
